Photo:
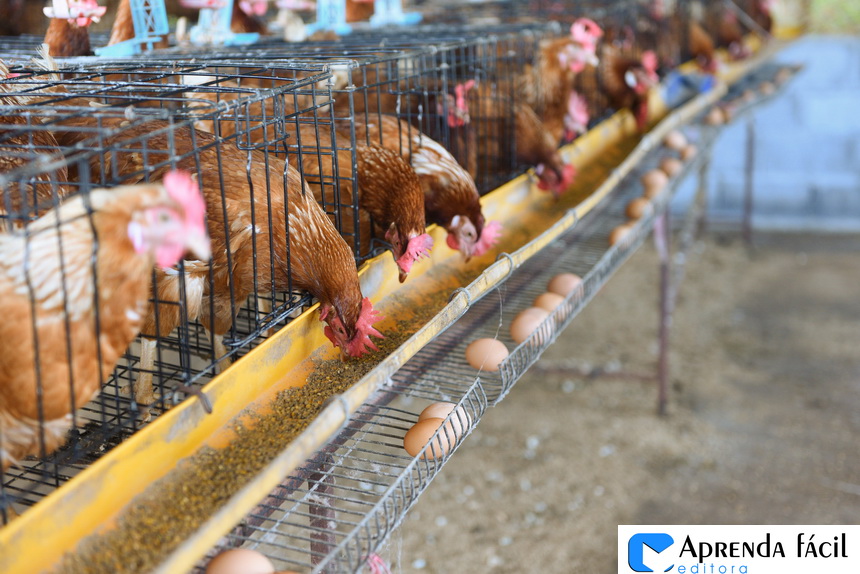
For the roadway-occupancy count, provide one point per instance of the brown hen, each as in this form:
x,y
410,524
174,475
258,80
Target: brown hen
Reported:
x,y
20,141
242,23
67,33
277,241
627,80
58,346
359,10
547,86
503,124
450,196
390,198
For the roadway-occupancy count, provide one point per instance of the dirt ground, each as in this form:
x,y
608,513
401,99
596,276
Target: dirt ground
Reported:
x,y
763,425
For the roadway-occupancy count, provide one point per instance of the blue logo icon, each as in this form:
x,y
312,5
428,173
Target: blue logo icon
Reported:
x,y
656,541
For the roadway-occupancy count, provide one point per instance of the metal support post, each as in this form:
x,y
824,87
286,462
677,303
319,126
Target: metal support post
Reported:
x,y
662,243
749,169
322,512
702,194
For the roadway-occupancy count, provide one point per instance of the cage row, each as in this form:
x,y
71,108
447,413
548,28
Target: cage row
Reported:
x,y
306,159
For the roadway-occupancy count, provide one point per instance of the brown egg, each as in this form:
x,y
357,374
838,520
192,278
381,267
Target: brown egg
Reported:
x,y
715,117
767,88
548,301
527,322
240,561
563,284
675,140
671,166
459,423
689,152
486,354
653,182
748,95
420,434
638,208
782,76
619,233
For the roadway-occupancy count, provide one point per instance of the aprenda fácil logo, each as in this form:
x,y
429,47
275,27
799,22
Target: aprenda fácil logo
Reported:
x,y
656,541
738,549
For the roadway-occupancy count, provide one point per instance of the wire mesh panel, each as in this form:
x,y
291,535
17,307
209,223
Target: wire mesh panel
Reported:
x,y
26,46
20,48
454,85
66,133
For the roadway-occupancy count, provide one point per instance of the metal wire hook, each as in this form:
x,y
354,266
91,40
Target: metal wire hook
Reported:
x,y
575,213
193,391
461,290
506,255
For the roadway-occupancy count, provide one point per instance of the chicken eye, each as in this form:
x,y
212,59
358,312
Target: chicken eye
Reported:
x,y
163,217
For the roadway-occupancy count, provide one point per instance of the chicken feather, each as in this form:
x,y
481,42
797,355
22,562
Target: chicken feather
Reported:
x,y
390,198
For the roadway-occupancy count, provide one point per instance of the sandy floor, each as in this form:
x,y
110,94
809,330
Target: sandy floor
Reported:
x,y
763,425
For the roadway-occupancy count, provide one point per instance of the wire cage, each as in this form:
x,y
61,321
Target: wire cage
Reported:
x,y
221,116
239,121
418,76
67,133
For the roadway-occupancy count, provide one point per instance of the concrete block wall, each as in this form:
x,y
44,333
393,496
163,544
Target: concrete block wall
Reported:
x,y
807,147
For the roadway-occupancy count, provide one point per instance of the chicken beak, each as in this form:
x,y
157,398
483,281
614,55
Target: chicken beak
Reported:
x,y
344,357
199,245
403,276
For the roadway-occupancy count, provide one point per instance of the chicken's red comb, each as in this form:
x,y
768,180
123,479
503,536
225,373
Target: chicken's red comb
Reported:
x,y
560,186
586,32
364,330
201,4
459,116
489,236
182,188
254,7
649,61
417,248
460,90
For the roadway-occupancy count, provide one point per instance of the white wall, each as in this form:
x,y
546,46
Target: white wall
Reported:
x,y
807,146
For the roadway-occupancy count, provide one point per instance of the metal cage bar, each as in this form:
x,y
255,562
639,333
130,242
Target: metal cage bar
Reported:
x,y
68,132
